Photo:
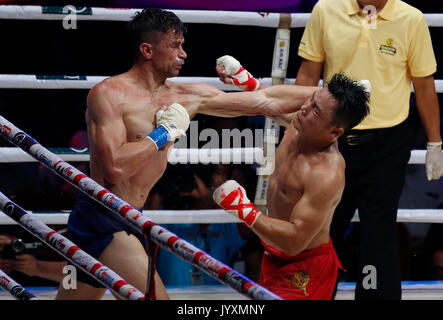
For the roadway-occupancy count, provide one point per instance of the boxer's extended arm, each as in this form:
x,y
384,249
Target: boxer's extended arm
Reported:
x,y
308,75
118,158
321,194
271,101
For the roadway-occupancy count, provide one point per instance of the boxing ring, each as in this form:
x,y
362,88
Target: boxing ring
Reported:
x,y
56,159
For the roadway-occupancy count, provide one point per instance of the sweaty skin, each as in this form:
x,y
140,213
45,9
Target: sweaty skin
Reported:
x,y
308,179
304,190
120,114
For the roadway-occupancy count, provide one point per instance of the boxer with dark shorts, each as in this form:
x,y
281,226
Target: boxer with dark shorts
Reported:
x,y
92,226
133,120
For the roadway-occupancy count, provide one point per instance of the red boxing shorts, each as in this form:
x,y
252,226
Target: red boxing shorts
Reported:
x,y
310,275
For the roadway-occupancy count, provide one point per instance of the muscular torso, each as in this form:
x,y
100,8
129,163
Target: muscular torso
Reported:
x,y
287,182
138,108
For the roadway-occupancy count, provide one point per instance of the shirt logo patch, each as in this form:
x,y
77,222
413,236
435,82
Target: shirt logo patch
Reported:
x,y
388,47
300,280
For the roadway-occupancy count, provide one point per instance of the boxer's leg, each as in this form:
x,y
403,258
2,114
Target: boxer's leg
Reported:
x,y
83,291
127,257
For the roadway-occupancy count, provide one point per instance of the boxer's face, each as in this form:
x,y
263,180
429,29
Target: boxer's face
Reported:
x,y
314,119
169,55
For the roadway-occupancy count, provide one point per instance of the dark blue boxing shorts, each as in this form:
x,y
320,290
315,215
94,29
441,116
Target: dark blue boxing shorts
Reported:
x,y
91,227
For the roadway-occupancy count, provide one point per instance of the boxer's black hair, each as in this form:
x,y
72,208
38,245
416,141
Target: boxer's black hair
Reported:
x,y
353,101
150,24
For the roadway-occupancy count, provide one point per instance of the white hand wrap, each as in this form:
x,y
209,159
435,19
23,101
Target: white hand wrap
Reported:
x,y
239,75
232,197
171,124
434,161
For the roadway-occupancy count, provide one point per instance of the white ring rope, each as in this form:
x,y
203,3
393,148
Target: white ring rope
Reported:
x,y
14,288
180,155
108,14
28,81
298,20
177,155
25,81
156,233
220,216
69,250
405,285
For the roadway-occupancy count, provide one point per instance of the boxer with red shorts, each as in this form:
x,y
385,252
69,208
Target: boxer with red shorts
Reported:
x,y
305,187
310,275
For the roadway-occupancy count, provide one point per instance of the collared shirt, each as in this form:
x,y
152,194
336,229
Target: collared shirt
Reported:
x,y
388,48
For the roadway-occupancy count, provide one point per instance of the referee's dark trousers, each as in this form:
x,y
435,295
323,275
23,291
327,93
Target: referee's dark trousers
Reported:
x,y
376,161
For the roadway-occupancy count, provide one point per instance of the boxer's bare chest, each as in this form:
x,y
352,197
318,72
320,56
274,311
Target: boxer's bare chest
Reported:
x,y
139,107
286,184
139,116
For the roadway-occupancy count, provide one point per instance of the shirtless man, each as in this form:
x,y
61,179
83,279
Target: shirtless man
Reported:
x,y
130,133
299,261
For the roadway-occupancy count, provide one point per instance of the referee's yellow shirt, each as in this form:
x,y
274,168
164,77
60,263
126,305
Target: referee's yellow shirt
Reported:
x,y
388,49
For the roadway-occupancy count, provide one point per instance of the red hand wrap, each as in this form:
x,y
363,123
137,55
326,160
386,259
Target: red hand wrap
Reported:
x,y
251,83
230,198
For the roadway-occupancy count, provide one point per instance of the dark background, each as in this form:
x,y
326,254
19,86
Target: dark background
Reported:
x,y
99,48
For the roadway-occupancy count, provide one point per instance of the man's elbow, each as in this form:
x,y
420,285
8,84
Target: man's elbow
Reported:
x,y
296,245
